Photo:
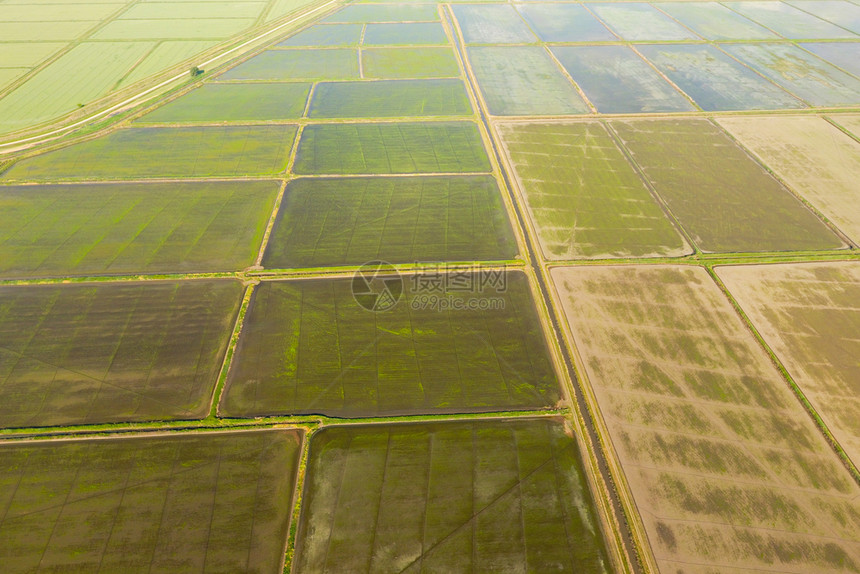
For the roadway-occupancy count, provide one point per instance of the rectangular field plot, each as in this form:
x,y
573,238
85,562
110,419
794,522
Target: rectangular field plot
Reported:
x,y
715,81
190,502
727,469
187,29
492,24
437,147
499,496
328,64
616,80
97,353
314,346
723,198
801,73
808,313
165,55
850,122
386,13
845,14
390,98
640,22
584,198
44,31
415,33
183,10
234,103
523,80
564,23
349,221
845,55
409,63
27,54
60,230
789,21
811,156
165,152
713,21
326,35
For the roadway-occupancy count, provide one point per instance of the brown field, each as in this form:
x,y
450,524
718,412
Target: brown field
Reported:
x,y
813,157
726,468
809,314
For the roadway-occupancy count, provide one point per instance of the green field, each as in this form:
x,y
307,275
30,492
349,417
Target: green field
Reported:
x,y
326,35
186,29
503,496
234,103
349,221
725,467
438,147
390,98
409,63
386,13
724,199
224,151
292,64
307,346
195,502
523,80
95,353
584,199
62,230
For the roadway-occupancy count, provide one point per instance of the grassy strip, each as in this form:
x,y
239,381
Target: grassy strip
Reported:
x,y
290,552
228,356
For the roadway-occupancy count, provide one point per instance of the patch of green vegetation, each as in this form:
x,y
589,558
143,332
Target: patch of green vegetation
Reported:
x,y
154,503
723,198
437,147
448,497
234,103
308,346
89,229
390,98
349,221
296,64
111,352
165,152
409,63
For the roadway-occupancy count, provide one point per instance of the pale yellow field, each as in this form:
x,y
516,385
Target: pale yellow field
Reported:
x,y
813,157
850,122
809,314
726,468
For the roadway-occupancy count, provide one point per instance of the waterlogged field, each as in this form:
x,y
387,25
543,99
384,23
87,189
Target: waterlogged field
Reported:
x,y
801,73
640,22
811,156
466,496
90,229
492,24
437,147
194,502
845,14
523,80
95,353
723,198
293,64
423,62
584,198
308,346
325,35
808,314
616,80
350,221
790,22
409,33
564,23
728,471
235,103
390,98
844,55
226,151
713,21
715,81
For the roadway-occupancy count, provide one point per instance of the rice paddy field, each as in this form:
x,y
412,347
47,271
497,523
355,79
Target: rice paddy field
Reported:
x,y
424,286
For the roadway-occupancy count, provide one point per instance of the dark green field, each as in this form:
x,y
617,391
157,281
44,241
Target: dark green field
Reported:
x,y
235,103
308,347
183,503
438,147
724,199
390,98
349,221
95,353
226,151
502,496
88,229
